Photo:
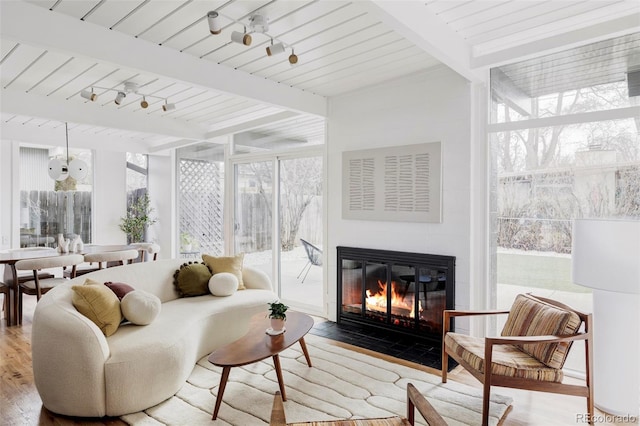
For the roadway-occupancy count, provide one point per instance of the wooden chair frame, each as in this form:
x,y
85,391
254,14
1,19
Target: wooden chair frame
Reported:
x,y
488,379
415,401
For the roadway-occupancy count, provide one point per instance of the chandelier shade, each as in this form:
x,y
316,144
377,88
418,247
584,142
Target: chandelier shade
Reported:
x,y
60,169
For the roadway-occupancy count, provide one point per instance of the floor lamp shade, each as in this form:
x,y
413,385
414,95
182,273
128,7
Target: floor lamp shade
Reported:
x,y
606,258
606,254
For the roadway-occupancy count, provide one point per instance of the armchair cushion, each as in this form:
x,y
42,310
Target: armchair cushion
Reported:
x,y
507,360
530,316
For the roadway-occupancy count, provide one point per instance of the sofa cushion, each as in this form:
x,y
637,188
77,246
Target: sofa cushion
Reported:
x,y
98,303
120,289
140,307
223,284
192,279
530,316
230,264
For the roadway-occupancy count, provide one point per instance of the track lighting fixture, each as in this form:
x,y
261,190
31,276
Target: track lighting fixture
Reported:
x,y
214,22
89,95
121,94
119,97
242,38
293,58
257,24
275,49
60,169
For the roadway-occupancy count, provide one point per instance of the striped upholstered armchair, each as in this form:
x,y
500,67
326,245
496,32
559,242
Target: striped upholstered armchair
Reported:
x,y
529,354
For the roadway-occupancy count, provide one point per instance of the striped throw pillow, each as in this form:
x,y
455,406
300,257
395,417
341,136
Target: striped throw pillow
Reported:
x,y
530,316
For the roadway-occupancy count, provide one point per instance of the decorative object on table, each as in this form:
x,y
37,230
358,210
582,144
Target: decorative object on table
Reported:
x,y
63,244
277,314
137,219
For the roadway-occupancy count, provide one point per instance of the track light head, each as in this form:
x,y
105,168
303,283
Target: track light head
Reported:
x,y
214,22
119,97
275,49
144,103
89,95
168,107
242,38
293,58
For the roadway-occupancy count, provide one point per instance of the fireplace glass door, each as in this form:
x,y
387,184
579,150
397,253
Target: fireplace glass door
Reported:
x,y
405,292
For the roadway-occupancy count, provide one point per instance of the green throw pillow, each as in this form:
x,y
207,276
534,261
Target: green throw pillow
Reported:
x,y
192,279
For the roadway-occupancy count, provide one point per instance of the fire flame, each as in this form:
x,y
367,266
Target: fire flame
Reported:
x,y
378,301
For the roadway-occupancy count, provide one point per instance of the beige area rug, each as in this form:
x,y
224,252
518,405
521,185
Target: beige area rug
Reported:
x,y
342,384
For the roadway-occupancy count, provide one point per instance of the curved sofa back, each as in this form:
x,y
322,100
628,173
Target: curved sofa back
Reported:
x,y
153,277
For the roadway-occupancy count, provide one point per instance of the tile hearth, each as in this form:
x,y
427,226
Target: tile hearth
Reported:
x,y
383,341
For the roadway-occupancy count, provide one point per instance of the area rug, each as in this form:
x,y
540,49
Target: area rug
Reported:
x,y
342,384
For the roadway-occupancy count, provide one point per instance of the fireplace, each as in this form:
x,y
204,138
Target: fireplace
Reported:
x,y
398,291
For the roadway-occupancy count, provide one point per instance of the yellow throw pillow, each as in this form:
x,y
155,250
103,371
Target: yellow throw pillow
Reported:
x,y
230,264
98,303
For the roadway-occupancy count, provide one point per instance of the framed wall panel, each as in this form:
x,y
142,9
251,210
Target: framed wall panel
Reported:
x,y
400,183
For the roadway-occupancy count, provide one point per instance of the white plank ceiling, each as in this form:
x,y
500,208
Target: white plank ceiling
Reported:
x,y
51,50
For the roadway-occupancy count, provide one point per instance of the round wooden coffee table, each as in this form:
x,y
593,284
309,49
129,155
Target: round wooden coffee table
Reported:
x,y
257,345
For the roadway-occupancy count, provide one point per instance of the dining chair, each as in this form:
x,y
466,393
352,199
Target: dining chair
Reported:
x,y
314,257
105,259
529,354
5,290
37,287
415,401
152,249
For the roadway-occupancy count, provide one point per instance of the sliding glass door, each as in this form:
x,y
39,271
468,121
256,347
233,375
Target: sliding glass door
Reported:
x,y
253,224
279,224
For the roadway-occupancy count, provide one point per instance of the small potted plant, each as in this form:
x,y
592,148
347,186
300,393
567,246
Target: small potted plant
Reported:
x,y
277,314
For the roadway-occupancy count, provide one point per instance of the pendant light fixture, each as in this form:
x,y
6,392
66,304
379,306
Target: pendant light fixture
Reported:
x,y
62,169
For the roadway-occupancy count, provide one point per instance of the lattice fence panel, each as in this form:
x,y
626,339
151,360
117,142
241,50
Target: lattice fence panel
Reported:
x,y
201,204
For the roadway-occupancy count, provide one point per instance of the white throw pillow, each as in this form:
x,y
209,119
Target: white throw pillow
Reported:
x,y
140,307
223,284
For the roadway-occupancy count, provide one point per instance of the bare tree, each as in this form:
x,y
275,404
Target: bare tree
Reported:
x,y
300,183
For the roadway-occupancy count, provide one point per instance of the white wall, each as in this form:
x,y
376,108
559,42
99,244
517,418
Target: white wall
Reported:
x,y
160,185
430,106
109,196
6,179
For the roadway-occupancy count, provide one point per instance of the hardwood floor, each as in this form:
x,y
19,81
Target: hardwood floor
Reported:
x,y
20,403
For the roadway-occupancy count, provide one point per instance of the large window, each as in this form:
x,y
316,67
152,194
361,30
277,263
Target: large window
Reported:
x,y
565,145
50,207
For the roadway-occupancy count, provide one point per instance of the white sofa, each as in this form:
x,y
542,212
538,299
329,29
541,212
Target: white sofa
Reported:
x,y
80,372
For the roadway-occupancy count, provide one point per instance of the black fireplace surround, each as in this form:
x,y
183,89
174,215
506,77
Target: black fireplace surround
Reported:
x,y
397,291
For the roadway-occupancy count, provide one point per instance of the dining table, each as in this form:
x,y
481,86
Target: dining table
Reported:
x,y
9,257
